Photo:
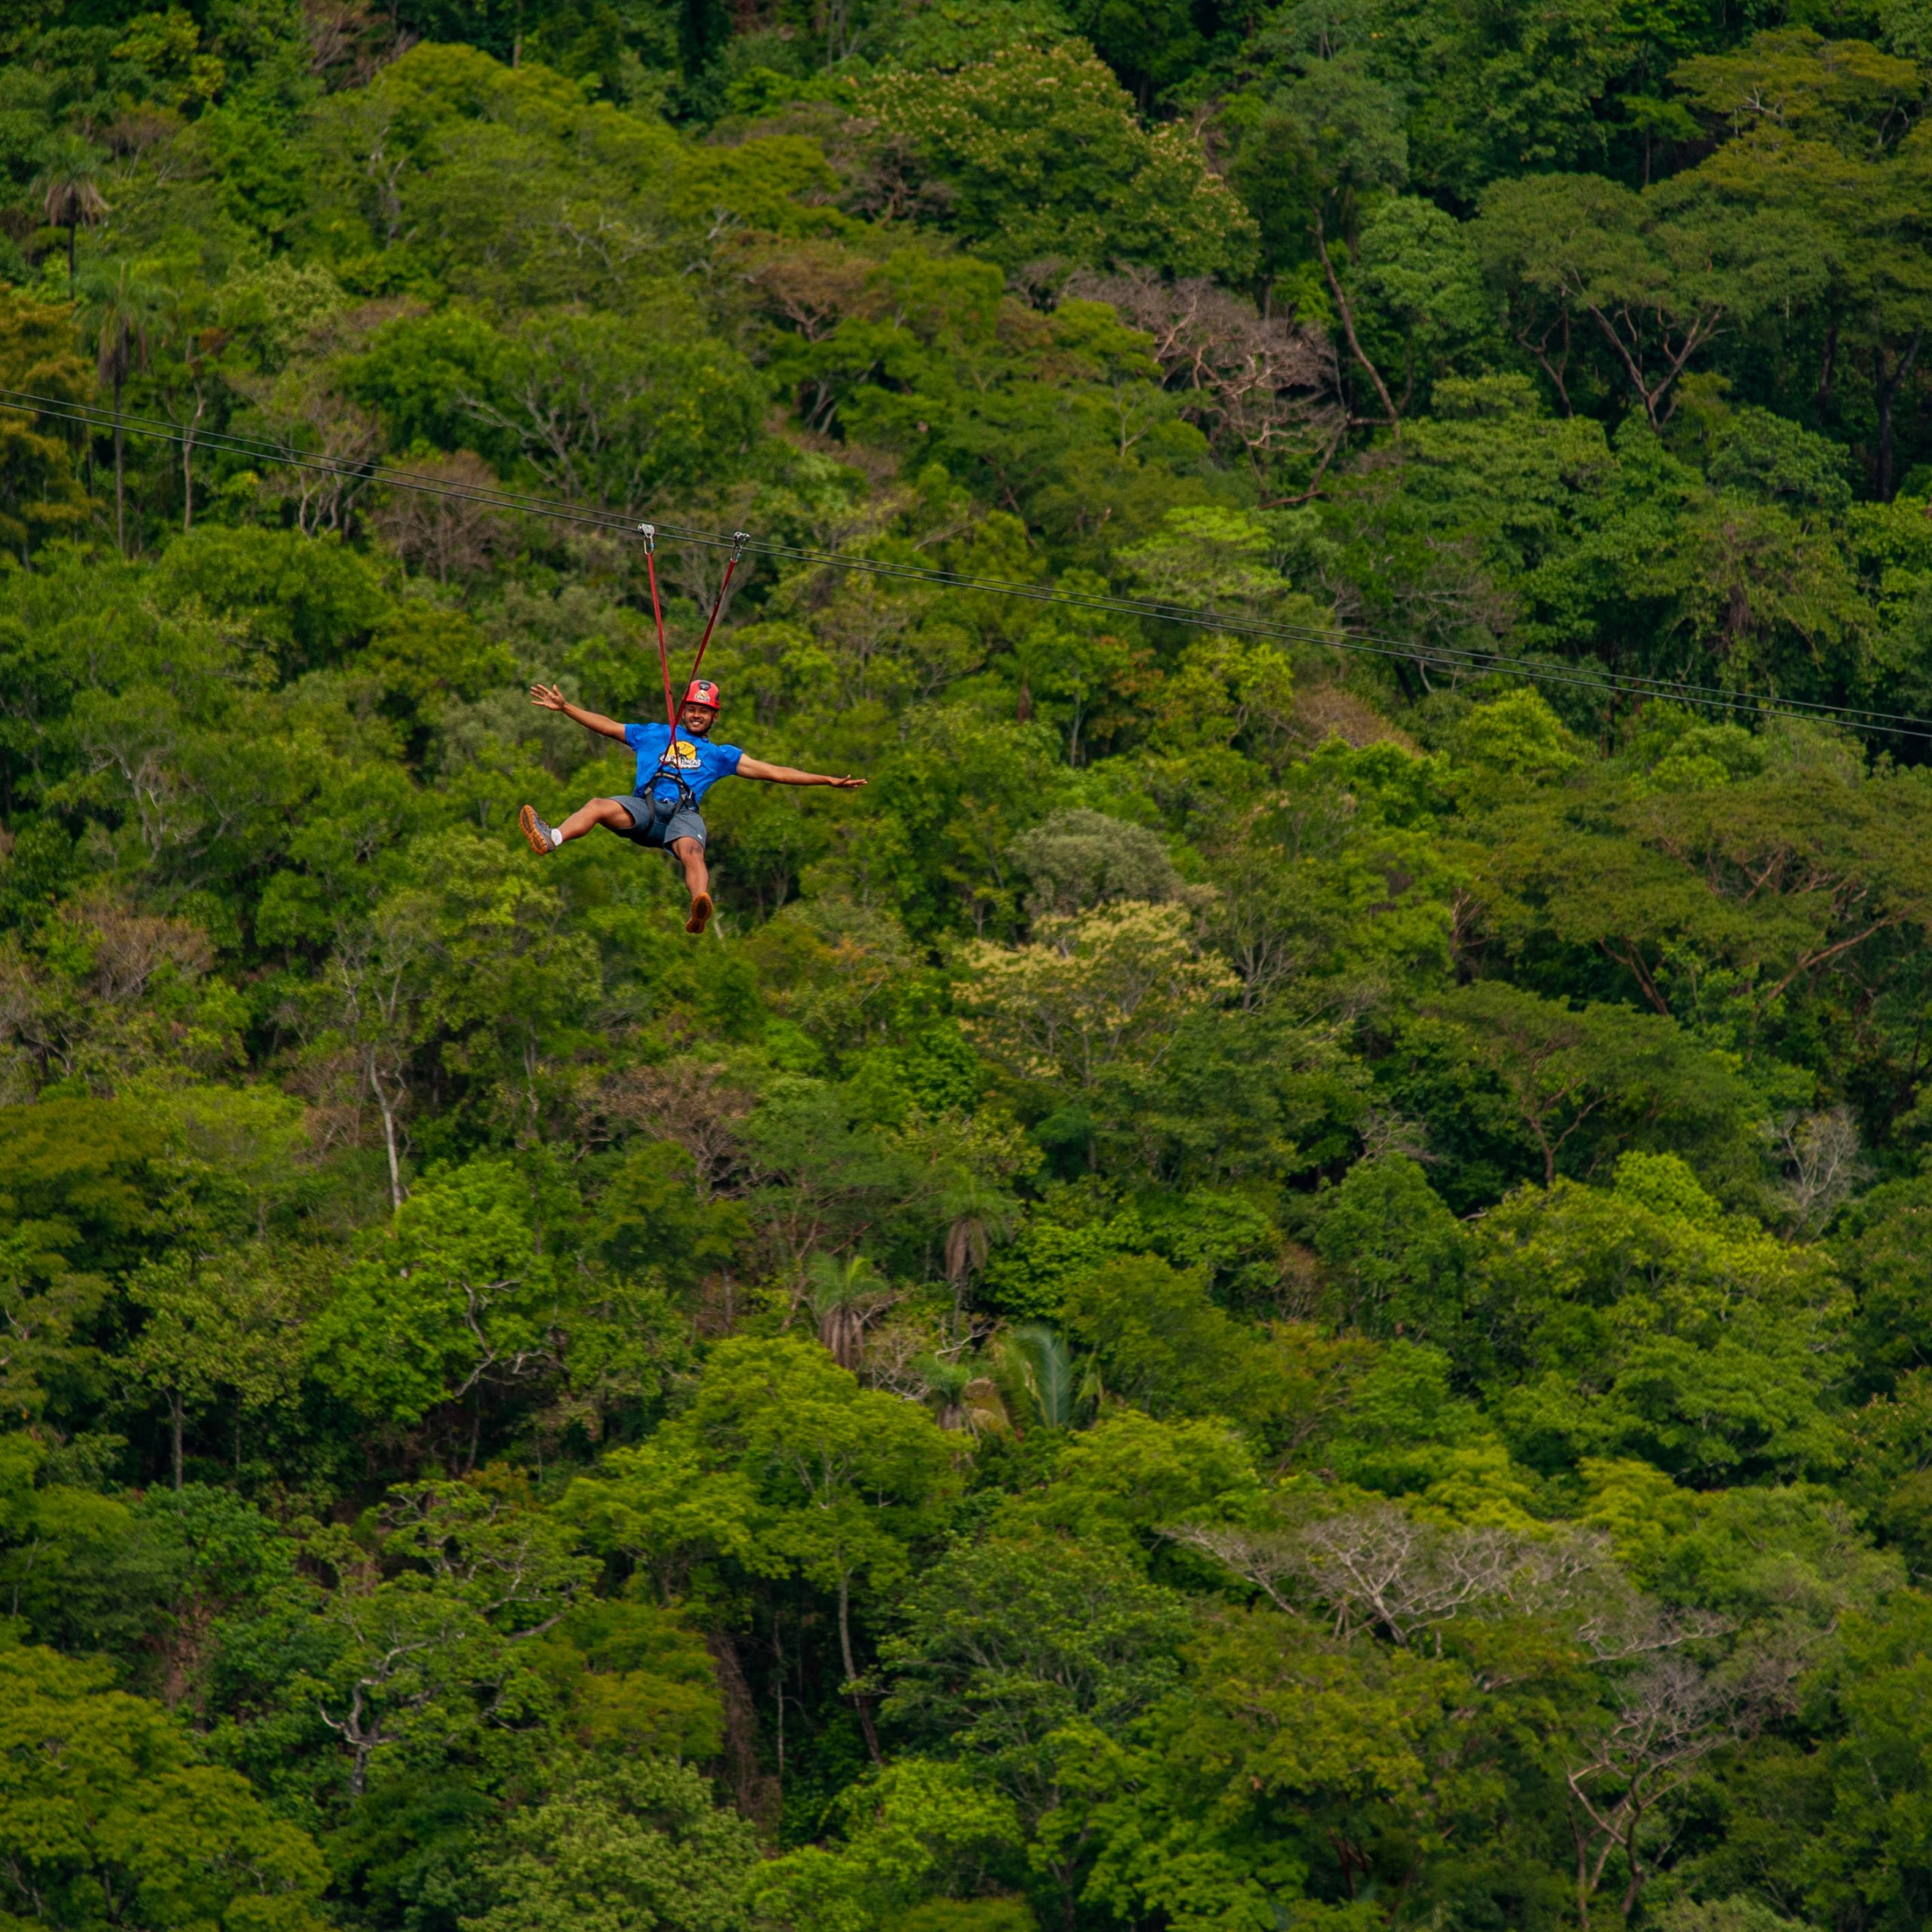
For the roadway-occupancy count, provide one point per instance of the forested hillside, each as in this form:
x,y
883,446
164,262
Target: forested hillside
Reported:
x,y
1268,1288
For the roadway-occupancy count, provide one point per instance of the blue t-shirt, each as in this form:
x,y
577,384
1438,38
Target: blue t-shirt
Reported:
x,y
702,763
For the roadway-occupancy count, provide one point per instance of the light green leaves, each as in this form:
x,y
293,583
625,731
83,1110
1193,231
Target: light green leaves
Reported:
x,y
635,1845
105,1812
916,1830
452,1292
1011,137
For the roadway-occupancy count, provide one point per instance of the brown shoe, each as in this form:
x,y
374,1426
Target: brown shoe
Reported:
x,y
536,831
700,916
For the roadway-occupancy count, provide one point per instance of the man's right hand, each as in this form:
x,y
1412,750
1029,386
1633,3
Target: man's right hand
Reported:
x,y
548,697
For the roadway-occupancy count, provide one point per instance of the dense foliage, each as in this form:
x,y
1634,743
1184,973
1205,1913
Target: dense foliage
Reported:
x,y
1257,1291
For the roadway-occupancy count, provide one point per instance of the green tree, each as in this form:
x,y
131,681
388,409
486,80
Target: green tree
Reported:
x,y
1509,93
1429,313
1079,860
40,495
1110,985
1606,1069
1655,277
1163,1344
625,1846
1006,1645
652,1216
71,168
1830,155
232,1323
1041,154
1331,140
601,417
1395,1253
782,1464
432,1621
105,1811
1640,1320
1287,1766
914,1831
124,307
454,1293
1883,1256
842,1295
499,976
308,604
1788,880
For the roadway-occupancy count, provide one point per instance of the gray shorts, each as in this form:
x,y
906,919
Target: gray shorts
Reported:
x,y
656,822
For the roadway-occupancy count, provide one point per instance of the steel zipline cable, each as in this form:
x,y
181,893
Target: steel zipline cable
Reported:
x,y
1445,658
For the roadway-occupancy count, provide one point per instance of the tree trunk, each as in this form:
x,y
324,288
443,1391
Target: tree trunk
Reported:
x,y
1347,315
845,1626
757,1795
174,1420
389,1130
1548,1153
851,1669
188,462
72,225
778,1677
362,1743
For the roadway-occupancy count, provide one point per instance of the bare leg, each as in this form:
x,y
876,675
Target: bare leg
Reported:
x,y
691,856
690,852
587,818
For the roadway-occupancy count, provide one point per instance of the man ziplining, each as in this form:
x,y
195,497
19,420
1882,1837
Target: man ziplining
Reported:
x,y
673,776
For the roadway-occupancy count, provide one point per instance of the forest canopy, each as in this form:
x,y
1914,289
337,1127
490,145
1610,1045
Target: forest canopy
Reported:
x,y
1266,1289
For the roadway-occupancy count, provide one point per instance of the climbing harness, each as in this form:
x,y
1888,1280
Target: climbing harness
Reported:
x,y
687,801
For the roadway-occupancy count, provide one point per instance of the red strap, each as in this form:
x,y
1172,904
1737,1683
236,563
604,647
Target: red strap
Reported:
x,y
717,605
664,653
740,539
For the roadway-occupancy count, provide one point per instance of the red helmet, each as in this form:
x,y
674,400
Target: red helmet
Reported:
x,y
703,692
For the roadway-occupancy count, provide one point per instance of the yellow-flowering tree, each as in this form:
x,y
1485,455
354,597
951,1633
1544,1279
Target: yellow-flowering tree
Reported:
x,y
1109,986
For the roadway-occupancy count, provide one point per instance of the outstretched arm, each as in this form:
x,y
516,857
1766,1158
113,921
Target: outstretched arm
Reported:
x,y
549,698
787,774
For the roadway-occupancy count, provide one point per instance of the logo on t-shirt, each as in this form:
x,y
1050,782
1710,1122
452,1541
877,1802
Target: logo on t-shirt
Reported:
x,y
683,754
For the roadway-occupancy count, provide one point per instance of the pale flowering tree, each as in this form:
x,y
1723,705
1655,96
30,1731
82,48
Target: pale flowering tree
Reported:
x,y
1108,986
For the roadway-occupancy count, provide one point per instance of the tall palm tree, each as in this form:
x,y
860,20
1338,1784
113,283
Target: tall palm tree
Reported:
x,y
70,170
844,1296
123,307
976,1216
